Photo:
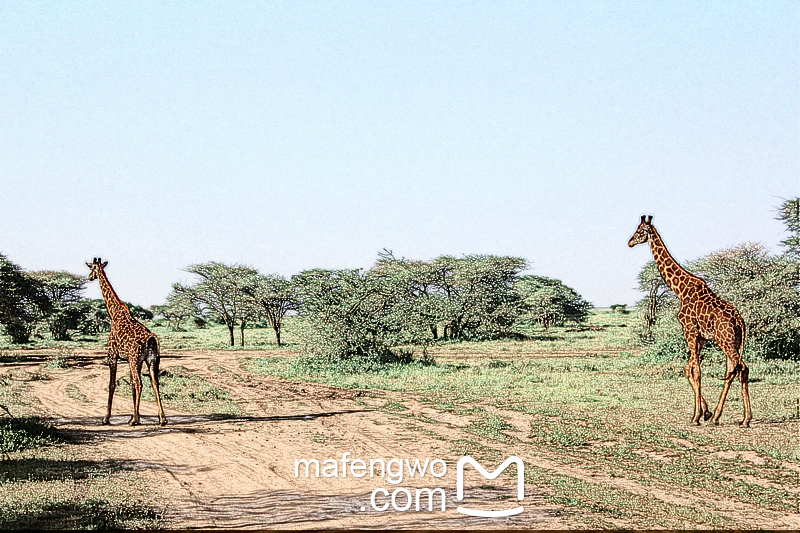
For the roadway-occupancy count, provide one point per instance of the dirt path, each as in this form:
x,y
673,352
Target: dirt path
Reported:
x,y
213,471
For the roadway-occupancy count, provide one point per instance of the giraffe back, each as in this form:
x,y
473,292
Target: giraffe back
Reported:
x,y
716,319
131,338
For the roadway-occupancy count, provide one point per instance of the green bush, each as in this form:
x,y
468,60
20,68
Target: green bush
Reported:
x,y
23,302
18,434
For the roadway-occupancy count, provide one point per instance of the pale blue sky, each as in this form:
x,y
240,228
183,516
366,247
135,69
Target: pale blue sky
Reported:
x,y
295,135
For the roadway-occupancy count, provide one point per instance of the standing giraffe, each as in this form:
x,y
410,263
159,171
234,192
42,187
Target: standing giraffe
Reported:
x,y
703,316
129,340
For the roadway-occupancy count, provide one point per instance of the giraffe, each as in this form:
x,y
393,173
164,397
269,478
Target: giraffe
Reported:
x,y
703,316
129,340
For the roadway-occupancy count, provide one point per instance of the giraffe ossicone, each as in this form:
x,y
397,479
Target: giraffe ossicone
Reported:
x,y
703,316
129,340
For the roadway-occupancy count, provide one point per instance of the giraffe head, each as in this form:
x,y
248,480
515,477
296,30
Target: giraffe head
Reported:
x,y
643,232
95,267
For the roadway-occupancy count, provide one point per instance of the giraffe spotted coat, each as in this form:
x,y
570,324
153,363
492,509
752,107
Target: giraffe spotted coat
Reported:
x,y
703,316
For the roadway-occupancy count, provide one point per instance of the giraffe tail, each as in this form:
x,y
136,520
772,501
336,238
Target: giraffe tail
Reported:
x,y
745,372
740,368
153,351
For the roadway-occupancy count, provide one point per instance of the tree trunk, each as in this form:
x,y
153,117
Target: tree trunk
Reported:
x,y
230,331
242,331
277,333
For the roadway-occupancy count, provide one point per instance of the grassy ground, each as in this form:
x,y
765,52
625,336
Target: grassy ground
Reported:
x,y
598,405
212,337
589,398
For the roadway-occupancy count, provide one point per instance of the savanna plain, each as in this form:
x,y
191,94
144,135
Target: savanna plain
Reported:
x,y
603,431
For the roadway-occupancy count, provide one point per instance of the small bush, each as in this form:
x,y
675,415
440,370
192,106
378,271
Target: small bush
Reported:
x,y
18,434
361,363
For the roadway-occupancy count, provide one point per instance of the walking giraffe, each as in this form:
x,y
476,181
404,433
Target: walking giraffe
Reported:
x,y
703,316
129,340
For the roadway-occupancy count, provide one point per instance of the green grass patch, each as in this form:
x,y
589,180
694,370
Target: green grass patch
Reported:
x,y
214,336
78,513
492,426
217,337
54,490
647,511
75,393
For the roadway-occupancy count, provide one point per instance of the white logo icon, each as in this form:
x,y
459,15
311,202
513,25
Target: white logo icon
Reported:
x,y
485,473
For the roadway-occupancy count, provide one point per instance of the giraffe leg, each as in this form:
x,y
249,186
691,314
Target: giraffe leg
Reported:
x,y
693,375
703,404
112,385
695,342
153,368
732,346
136,386
744,376
718,411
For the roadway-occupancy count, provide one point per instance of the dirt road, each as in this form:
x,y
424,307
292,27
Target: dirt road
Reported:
x,y
224,471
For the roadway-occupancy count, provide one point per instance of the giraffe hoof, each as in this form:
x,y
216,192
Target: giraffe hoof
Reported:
x,y
105,422
133,422
163,422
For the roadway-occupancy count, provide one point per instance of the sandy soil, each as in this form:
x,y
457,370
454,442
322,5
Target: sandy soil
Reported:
x,y
211,471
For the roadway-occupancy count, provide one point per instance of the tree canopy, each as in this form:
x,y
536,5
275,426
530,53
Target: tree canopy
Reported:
x,y
64,292
23,301
549,302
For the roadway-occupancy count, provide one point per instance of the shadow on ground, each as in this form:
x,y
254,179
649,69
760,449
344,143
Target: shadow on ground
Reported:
x,y
212,423
82,514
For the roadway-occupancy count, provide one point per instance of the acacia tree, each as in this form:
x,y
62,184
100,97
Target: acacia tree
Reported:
x,y
63,291
474,294
347,314
223,291
417,303
789,213
178,308
549,302
765,288
22,301
94,317
274,296
452,298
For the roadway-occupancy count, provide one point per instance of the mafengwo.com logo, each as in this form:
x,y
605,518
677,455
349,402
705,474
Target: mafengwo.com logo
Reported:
x,y
402,499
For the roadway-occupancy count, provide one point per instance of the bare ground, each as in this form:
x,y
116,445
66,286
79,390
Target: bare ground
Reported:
x,y
225,471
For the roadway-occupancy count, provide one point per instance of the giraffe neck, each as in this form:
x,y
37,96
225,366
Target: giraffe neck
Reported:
x,y
116,308
678,278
